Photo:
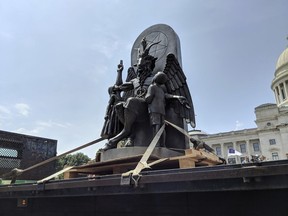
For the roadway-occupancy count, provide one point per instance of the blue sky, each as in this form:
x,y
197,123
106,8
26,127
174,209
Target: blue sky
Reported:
x,y
58,57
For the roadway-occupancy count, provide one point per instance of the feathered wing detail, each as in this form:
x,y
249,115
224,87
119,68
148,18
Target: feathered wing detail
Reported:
x,y
177,85
131,74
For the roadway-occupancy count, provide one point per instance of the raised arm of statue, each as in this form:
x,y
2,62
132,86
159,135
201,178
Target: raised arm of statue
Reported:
x,y
120,68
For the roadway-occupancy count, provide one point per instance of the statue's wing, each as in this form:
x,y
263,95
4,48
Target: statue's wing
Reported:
x,y
177,85
131,74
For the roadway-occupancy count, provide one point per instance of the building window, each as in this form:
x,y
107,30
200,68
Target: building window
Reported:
x,y
275,156
282,91
229,147
11,153
256,147
9,158
272,141
231,160
218,150
243,148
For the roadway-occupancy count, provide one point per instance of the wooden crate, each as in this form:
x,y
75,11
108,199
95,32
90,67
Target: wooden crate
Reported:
x,y
191,158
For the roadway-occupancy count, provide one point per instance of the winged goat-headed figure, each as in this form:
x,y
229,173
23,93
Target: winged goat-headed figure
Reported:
x,y
133,110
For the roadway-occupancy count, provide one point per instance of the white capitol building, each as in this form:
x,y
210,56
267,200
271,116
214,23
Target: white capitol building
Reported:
x,y
270,138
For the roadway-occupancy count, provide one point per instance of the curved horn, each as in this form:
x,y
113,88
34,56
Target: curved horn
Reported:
x,y
146,51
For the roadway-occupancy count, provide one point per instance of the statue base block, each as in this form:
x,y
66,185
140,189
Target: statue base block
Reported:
x,y
127,152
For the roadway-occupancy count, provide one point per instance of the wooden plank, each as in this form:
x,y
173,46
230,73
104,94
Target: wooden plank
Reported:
x,y
70,174
104,169
195,157
210,156
186,163
117,168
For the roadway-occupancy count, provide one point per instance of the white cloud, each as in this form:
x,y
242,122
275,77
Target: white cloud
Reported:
x,y
34,131
108,46
22,109
239,125
4,110
40,127
46,124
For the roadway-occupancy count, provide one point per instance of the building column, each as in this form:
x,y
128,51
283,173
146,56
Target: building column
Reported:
x,y
248,152
222,150
276,96
234,145
247,147
236,156
285,89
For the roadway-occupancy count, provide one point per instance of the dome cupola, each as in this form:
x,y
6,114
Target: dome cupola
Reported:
x,y
282,60
280,81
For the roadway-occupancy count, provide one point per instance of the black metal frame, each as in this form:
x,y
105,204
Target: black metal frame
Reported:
x,y
223,190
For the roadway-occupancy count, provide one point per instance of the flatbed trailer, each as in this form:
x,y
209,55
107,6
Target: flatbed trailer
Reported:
x,y
241,189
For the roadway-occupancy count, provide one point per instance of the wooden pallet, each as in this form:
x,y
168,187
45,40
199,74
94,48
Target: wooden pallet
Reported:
x,y
191,158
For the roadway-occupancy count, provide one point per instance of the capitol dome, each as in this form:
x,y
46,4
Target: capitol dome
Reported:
x,y
280,81
283,59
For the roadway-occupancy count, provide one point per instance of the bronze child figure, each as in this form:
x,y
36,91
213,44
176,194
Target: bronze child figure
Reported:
x,y
156,99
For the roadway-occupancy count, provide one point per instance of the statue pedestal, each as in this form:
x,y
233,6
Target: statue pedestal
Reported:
x,y
127,152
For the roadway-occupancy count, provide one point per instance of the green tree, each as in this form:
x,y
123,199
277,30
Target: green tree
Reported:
x,y
76,159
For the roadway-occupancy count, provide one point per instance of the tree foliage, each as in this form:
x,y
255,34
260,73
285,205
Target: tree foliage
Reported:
x,y
76,159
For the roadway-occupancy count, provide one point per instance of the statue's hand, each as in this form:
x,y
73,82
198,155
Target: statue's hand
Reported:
x,y
184,102
116,88
120,67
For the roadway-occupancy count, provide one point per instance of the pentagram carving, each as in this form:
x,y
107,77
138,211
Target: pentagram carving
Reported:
x,y
169,43
157,50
